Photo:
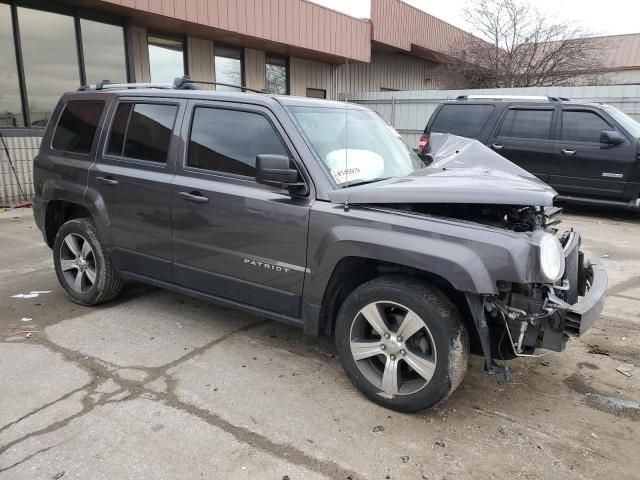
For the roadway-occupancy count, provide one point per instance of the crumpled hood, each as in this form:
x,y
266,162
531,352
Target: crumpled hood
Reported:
x,y
463,171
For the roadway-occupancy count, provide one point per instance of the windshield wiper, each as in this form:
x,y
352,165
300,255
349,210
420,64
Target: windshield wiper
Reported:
x,y
357,183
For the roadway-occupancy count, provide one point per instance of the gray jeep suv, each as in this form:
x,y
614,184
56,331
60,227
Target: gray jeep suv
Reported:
x,y
316,214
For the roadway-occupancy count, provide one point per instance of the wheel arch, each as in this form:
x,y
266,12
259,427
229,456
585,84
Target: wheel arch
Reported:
x,y
351,272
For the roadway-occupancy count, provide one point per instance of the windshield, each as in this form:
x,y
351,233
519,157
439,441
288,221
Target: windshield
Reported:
x,y
628,123
356,146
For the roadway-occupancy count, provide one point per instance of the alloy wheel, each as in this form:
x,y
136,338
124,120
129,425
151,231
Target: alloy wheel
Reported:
x,y
393,348
78,263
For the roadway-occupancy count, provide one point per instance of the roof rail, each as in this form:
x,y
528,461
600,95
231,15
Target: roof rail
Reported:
x,y
186,83
108,84
180,83
538,98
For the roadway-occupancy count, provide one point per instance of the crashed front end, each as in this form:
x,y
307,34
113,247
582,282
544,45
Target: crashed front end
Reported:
x,y
524,317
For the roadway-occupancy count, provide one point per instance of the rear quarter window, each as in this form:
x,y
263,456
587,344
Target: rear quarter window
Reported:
x,y
76,128
464,120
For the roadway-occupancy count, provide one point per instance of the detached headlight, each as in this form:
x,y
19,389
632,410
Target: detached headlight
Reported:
x,y
551,257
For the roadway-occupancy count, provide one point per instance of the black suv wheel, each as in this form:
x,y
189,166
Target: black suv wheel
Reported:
x,y
402,343
83,268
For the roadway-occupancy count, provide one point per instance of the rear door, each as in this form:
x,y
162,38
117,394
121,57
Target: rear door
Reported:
x,y
524,135
232,237
131,179
583,165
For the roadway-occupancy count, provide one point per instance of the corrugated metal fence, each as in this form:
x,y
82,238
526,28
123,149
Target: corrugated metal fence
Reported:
x,y
17,185
409,112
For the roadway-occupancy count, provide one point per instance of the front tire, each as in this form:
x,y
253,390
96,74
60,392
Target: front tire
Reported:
x,y
402,343
83,266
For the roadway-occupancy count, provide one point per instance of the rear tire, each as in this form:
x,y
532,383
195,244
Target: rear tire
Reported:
x,y
82,264
409,373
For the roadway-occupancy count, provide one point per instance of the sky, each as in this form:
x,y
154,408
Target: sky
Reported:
x,y
611,18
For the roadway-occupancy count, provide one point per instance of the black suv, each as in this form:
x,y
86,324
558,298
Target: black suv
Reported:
x,y
316,214
588,152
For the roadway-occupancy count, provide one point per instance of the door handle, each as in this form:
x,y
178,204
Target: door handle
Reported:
x,y
568,152
195,197
497,146
107,181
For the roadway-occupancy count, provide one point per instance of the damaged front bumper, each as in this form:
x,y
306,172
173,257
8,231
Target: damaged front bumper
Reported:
x,y
523,318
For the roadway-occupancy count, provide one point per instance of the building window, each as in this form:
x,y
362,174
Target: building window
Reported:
x,y
166,59
50,57
277,75
10,105
228,67
229,141
316,93
55,53
104,52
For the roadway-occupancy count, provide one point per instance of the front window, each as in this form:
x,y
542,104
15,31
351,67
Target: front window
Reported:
x,y
356,146
628,123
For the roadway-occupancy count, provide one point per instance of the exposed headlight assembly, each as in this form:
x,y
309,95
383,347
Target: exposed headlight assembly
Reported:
x,y
551,257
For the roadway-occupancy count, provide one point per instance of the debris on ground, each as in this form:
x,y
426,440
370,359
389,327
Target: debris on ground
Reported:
x,y
596,350
625,369
378,428
545,363
594,435
440,443
605,255
58,475
502,430
405,458
26,319
32,294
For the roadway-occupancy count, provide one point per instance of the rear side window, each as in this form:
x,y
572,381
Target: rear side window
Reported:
x,y
77,126
527,124
142,131
583,126
228,141
464,120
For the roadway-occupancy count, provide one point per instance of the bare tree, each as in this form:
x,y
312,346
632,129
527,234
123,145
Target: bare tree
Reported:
x,y
517,46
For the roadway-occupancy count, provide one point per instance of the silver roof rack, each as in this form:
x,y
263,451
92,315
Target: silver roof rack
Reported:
x,y
530,98
180,83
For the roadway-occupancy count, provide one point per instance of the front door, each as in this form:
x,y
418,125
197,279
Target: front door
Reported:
x,y
583,165
131,179
232,237
525,137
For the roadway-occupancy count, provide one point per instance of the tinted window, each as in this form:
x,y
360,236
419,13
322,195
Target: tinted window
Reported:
x,y
526,124
119,128
583,127
229,141
77,126
149,132
464,120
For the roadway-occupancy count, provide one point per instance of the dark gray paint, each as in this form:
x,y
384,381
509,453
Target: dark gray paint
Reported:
x,y
206,248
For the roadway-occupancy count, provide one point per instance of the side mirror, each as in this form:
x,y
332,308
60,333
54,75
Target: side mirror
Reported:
x,y
276,170
611,137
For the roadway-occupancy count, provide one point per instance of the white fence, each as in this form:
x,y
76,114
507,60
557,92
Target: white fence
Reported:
x,y
409,111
